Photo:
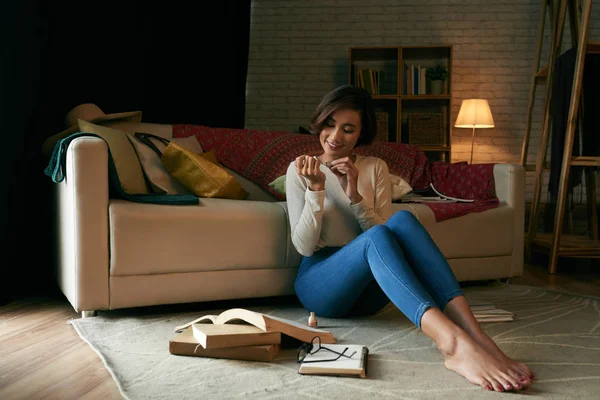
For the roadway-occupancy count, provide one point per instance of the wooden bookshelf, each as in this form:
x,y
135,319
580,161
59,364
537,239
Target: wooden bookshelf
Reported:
x,y
399,89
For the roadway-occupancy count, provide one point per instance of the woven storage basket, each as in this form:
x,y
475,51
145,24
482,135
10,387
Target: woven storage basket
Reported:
x,y
381,119
425,129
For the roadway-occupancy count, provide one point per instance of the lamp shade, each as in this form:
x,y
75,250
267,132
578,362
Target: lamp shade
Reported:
x,y
474,113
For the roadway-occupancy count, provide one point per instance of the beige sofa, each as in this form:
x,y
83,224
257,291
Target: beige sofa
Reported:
x,y
116,253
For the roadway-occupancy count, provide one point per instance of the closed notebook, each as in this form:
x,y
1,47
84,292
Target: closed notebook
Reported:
x,y
212,336
184,344
344,366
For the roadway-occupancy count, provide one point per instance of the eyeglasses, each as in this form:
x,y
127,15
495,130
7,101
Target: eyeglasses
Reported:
x,y
315,346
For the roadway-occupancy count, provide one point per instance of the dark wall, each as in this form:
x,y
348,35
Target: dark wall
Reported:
x,y
177,62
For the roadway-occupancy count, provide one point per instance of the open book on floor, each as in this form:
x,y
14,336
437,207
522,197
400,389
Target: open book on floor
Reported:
x,y
185,344
214,336
264,322
354,365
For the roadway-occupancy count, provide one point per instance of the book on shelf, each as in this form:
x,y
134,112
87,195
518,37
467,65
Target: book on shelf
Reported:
x,y
213,336
264,322
414,79
185,344
354,366
369,79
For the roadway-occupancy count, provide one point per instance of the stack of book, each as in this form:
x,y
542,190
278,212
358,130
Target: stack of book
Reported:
x,y
487,312
240,334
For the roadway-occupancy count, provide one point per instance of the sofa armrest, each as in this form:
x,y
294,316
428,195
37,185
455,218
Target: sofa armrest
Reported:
x,y
510,190
82,225
510,183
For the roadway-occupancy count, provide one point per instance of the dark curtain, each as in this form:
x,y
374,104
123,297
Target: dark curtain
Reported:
x,y
177,62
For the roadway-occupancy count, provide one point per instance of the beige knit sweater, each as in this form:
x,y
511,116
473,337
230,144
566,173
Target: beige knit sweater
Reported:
x,y
326,218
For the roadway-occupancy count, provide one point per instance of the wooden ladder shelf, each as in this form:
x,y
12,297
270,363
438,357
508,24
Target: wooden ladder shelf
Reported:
x,y
559,244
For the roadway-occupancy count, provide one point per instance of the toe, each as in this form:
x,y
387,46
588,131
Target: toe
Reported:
x,y
522,377
514,378
524,380
525,370
497,386
487,385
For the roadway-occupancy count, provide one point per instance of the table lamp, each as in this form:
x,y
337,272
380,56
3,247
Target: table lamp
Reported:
x,y
474,113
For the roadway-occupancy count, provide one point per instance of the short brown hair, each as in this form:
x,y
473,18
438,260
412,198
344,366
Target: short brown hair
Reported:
x,y
347,97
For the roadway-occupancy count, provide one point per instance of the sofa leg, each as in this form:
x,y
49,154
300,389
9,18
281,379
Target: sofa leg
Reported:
x,y
505,280
87,314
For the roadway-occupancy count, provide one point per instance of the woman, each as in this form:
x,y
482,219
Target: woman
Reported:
x,y
357,256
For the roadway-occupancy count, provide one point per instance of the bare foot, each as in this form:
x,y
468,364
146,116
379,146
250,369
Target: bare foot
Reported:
x,y
472,361
459,312
516,369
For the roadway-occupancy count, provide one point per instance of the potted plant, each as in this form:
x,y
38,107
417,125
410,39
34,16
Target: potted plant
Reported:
x,y
437,75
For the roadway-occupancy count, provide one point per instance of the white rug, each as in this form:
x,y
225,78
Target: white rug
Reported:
x,y
555,334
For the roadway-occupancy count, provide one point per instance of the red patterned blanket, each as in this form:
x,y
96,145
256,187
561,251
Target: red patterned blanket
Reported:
x,y
262,156
464,181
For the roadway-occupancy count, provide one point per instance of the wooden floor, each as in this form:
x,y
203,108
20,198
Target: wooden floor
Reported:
x,y
42,357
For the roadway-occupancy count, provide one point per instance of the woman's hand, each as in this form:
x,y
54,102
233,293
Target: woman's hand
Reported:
x,y
347,174
310,168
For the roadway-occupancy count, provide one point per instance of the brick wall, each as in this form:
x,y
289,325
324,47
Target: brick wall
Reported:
x,y
299,51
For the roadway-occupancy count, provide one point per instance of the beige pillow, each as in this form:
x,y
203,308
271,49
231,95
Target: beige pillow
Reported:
x,y
123,154
399,187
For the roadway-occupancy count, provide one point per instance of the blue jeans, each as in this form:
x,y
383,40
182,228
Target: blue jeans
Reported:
x,y
397,261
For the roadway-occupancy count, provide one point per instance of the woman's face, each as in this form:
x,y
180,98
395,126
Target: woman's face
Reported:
x,y
340,133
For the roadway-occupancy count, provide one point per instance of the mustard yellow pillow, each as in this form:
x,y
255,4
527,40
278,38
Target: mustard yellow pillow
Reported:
x,y
200,175
210,156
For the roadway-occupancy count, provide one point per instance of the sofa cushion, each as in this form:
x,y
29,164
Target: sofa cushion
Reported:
x,y
124,156
474,235
255,192
216,235
477,234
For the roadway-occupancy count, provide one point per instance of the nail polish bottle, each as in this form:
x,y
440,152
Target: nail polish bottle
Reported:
x,y
312,320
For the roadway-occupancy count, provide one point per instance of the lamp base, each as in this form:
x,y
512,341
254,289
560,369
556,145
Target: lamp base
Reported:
x,y
472,143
